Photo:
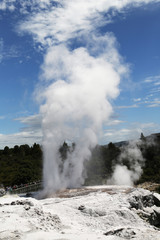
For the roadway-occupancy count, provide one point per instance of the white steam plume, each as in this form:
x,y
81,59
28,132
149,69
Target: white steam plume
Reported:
x,y
123,175
77,104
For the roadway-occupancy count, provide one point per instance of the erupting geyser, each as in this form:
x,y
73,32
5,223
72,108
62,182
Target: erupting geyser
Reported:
x,y
81,83
80,76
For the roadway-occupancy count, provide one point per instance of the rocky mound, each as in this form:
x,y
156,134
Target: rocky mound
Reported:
x,y
108,212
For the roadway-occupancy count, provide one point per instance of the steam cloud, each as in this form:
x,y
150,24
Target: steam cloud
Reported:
x,y
82,81
124,175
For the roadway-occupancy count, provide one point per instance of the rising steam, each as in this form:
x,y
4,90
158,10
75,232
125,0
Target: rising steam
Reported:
x,y
127,175
77,103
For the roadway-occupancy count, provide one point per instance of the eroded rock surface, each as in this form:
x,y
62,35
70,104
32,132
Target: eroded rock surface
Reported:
x,y
105,213
147,206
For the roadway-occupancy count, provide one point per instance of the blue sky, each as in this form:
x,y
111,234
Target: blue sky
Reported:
x,y
27,32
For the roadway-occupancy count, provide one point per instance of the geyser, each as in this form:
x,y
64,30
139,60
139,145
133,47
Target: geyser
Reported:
x,y
81,74
81,83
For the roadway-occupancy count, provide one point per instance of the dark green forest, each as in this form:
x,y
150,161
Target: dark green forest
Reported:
x,y
23,164
20,165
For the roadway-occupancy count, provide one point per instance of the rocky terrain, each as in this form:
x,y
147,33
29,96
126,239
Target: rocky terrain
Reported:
x,y
100,212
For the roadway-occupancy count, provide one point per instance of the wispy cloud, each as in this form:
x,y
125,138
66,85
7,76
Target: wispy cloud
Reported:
x,y
7,5
34,5
154,103
31,123
29,134
155,80
70,18
7,52
151,85
2,117
137,99
132,132
114,122
150,101
155,90
1,49
128,106
10,52
20,138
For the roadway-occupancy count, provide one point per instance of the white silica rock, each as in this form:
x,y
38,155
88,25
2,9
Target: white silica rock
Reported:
x,y
103,212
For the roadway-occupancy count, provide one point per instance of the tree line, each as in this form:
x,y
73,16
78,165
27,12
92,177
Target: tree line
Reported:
x,y
24,164
20,165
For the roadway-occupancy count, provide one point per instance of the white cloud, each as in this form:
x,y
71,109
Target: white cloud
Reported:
x,y
68,18
152,79
155,90
154,103
1,49
2,117
31,122
7,5
113,122
128,106
152,90
157,83
137,99
10,52
20,138
114,135
131,133
7,52
29,134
